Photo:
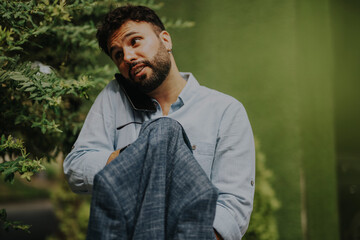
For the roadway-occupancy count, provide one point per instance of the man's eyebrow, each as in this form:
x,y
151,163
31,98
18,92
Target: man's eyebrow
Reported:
x,y
126,36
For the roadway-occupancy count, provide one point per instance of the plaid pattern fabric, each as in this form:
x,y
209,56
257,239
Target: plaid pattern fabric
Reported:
x,y
155,189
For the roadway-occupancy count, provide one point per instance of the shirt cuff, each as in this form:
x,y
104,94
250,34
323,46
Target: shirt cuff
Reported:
x,y
225,224
94,164
80,168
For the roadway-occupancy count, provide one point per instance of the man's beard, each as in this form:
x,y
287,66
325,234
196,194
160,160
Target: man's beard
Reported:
x,y
160,65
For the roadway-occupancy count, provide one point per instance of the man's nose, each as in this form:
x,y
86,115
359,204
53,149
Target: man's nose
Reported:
x,y
129,55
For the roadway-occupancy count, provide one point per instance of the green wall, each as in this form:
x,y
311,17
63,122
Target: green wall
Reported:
x,y
277,58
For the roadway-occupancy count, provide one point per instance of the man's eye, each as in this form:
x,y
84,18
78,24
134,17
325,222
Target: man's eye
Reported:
x,y
135,41
118,55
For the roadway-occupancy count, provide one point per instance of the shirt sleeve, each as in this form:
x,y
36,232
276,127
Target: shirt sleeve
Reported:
x,y
233,173
93,146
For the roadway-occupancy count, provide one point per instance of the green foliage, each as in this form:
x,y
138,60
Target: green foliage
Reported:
x,y
40,96
22,164
43,93
7,225
20,190
178,23
38,99
73,212
263,225
25,166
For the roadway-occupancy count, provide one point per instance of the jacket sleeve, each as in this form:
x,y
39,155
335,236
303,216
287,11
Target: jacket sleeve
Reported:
x,y
107,220
233,173
94,145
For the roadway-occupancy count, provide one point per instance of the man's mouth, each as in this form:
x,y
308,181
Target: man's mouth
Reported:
x,y
137,70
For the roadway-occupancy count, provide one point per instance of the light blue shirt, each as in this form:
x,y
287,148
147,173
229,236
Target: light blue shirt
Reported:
x,y
218,129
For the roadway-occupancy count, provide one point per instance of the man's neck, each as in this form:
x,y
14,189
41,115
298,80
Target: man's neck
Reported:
x,y
168,92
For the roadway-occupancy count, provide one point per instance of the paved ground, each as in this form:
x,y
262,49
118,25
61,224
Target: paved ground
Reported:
x,y
39,214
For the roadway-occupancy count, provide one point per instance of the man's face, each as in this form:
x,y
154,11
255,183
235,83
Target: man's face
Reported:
x,y
140,55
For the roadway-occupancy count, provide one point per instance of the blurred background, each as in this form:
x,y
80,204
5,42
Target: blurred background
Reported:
x,y
293,64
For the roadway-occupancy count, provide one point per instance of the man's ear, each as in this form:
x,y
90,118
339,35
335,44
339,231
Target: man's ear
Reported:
x,y
166,40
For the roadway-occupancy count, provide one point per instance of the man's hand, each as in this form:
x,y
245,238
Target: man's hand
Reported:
x,y
113,156
218,237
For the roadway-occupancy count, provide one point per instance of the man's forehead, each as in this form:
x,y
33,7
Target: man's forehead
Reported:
x,y
129,28
133,26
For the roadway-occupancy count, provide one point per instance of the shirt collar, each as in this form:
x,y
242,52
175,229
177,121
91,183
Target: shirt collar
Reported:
x,y
190,88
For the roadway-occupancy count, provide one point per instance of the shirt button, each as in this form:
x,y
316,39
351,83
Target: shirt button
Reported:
x,y
252,182
193,147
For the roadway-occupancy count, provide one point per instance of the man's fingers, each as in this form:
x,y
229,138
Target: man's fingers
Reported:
x,y
113,156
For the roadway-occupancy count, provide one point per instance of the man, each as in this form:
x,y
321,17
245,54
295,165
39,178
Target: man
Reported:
x,y
150,86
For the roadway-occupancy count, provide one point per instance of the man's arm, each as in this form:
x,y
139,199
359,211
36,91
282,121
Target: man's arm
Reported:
x,y
233,173
94,145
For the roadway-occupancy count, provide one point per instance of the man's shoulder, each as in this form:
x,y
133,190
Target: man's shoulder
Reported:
x,y
109,94
110,91
208,94
219,98
112,86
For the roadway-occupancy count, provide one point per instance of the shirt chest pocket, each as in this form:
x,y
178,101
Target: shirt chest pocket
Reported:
x,y
204,154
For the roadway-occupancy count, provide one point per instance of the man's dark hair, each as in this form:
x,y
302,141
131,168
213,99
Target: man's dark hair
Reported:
x,y
117,17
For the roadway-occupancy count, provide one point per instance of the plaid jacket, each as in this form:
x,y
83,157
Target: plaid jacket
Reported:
x,y
155,189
